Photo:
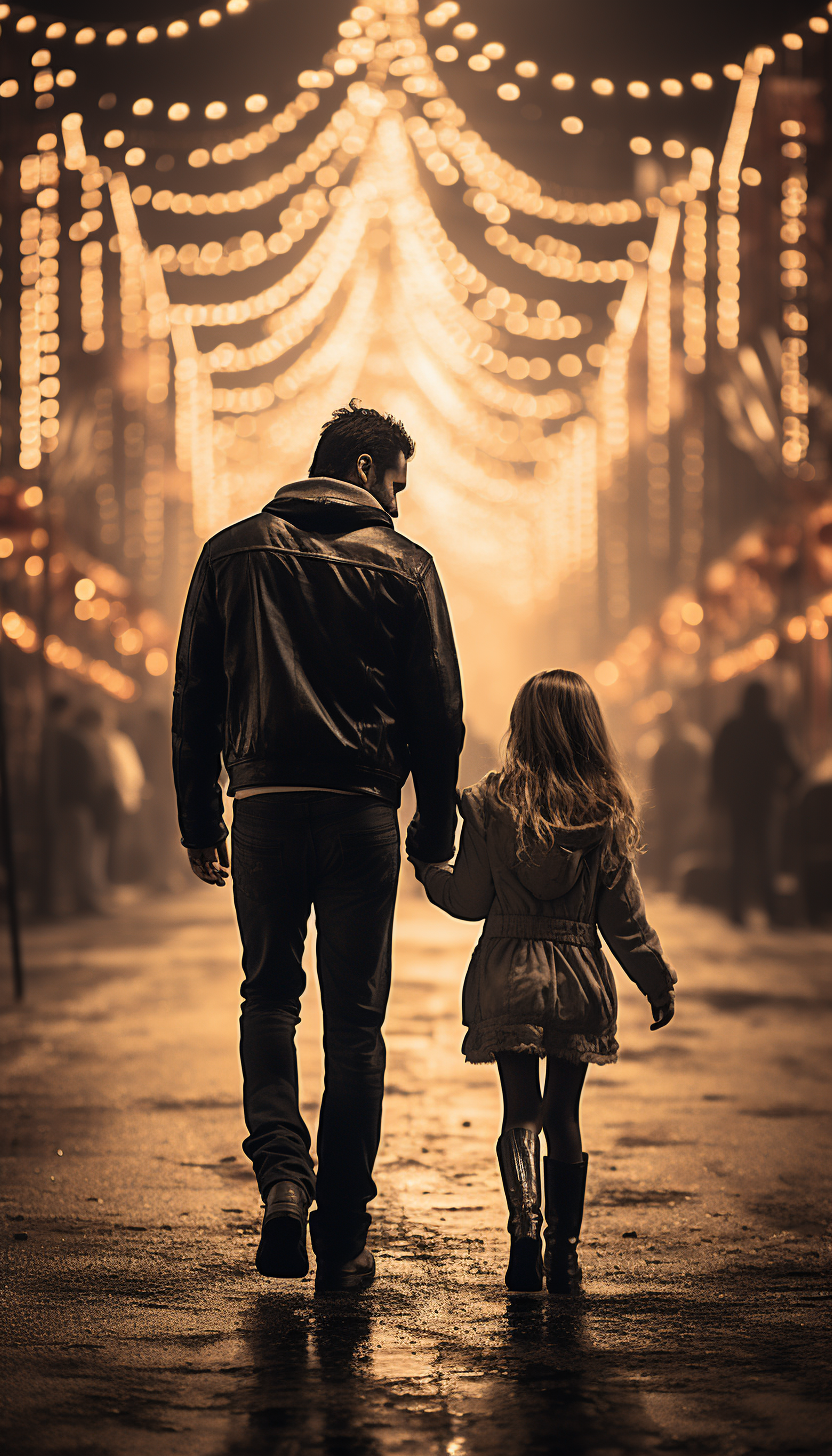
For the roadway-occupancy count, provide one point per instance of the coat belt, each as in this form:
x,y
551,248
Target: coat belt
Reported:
x,y
542,927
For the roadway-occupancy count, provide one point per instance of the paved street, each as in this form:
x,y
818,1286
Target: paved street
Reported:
x,y
136,1325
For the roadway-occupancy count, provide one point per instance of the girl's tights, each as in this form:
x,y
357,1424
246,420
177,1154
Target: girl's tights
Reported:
x,y
556,1112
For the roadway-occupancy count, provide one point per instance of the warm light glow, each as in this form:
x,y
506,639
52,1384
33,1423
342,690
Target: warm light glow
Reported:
x,y
494,50
673,149
479,63
819,24
179,111
563,81
65,78
33,565
147,34
672,87
143,106
732,71
156,662
508,91
257,102
85,36
447,53
640,145
32,496
792,42
85,589
526,69
796,629
113,138
702,81
751,177
134,156
53,32
602,87
116,37
9,88
177,28
26,23
639,89
465,30
607,673
210,17
216,110
572,124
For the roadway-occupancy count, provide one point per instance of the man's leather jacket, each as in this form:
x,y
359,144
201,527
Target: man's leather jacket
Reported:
x,y
316,649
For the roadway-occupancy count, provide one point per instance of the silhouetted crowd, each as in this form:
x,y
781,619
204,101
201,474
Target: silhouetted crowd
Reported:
x,y
111,805
737,823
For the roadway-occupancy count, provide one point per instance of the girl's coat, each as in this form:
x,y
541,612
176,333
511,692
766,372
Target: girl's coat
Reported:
x,y
538,979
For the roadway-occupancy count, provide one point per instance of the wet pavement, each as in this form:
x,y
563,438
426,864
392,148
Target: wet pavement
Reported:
x,y
133,1320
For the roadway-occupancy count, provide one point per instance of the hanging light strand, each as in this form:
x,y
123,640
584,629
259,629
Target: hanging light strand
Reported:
x,y
794,384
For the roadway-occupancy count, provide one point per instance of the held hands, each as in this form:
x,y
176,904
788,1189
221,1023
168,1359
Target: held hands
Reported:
x,y
663,1014
211,864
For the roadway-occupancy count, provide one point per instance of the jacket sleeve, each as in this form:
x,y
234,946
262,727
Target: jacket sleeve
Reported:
x,y
199,713
622,920
466,889
433,707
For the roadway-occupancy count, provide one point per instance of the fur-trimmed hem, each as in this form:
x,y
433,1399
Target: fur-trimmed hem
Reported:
x,y
485,1041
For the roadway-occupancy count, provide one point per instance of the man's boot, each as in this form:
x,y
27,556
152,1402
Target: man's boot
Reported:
x,y
518,1154
282,1252
335,1276
565,1189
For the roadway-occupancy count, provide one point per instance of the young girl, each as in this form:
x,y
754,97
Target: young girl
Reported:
x,y
546,858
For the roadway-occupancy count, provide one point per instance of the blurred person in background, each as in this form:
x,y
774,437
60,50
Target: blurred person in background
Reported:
x,y
124,858
752,765
84,796
317,658
678,783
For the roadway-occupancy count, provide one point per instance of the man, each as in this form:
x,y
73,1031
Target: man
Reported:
x,y
751,765
316,655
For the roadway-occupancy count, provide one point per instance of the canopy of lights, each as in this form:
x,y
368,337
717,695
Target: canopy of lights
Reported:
x,y
527,401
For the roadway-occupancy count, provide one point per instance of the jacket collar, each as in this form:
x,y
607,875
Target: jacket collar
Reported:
x,y
323,504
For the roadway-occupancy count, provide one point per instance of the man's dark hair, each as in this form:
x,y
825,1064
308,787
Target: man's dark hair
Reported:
x,y
355,430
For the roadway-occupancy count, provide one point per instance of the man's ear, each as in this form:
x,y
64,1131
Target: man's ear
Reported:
x,y
364,465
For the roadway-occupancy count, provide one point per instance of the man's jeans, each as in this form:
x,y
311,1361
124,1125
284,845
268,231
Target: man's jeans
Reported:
x,y
339,853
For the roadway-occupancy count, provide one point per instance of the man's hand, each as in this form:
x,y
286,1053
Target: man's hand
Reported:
x,y
662,1015
210,865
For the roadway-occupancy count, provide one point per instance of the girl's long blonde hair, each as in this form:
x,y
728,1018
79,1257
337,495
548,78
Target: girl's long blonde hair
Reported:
x,y
561,770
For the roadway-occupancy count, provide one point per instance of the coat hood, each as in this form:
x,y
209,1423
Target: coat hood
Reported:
x,y
329,507
552,873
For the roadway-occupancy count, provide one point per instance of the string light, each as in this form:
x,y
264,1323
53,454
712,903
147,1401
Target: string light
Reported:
x,y
39,310
92,298
794,386
694,267
658,382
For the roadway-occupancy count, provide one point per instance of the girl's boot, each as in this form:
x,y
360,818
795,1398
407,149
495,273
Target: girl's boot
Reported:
x,y
565,1189
518,1154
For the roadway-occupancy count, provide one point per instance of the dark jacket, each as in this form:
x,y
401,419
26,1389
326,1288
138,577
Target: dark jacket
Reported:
x,y
316,649
751,763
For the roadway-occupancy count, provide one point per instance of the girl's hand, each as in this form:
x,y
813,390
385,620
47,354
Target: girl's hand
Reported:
x,y
662,1015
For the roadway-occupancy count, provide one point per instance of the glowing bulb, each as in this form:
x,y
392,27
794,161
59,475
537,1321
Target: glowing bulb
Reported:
x,y
526,69
177,28
113,138
640,89
8,88
256,102
179,111
702,81
602,86
495,51
53,31
672,87
572,125
85,589
792,42
41,58
143,106
116,37
134,156
147,34
479,63
25,24
209,18
236,7
732,71
66,78
751,177
465,31
85,36
819,24
156,661
508,91
447,53
216,110
563,81
673,149
640,145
